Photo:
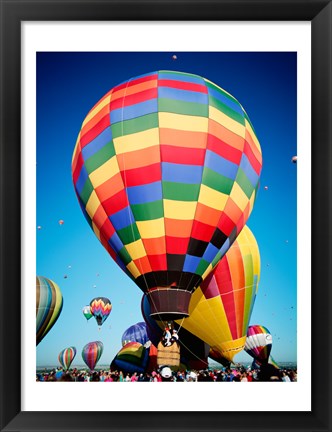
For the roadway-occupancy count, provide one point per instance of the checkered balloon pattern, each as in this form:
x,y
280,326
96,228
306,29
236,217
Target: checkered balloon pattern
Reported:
x,y
166,169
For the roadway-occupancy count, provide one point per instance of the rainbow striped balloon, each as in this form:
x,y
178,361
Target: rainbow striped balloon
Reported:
x,y
132,357
49,304
166,169
91,353
66,357
258,343
100,307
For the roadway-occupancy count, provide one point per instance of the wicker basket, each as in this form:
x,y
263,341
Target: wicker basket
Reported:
x,y
169,356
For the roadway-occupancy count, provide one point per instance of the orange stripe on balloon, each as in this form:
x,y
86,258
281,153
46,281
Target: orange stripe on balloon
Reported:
x,y
110,187
139,158
226,135
155,246
180,138
178,228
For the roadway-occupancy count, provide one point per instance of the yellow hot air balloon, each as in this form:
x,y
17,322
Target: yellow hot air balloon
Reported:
x,y
220,309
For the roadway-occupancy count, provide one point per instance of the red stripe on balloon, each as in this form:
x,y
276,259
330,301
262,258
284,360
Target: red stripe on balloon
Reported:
x,y
182,85
134,98
223,149
97,129
141,176
182,155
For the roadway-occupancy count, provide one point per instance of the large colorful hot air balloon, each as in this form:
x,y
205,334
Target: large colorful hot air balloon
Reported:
x,y
136,333
221,307
91,353
87,312
66,357
49,304
100,307
166,168
258,343
132,357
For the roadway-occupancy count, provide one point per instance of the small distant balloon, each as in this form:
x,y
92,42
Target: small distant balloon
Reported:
x,y
39,227
294,159
266,187
87,312
69,266
94,286
61,222
174,57
65,276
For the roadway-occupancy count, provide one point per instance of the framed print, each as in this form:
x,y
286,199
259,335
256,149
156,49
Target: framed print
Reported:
x,y
166,176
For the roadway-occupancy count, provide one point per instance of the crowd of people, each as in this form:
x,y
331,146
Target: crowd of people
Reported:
x,y
238,374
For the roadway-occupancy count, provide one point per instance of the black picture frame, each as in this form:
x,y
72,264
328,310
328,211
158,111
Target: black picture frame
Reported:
x,y
13,12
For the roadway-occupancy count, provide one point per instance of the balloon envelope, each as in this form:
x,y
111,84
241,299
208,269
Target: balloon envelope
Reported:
x,y
66,357
87,312
132,357
100,307
91,353
49,304
135,333
258,343
166,168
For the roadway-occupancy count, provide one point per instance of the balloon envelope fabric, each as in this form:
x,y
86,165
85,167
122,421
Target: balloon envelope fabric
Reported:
x,y
136,333
220,309
66,357
133,357
259,343
49,304
100,307
91,353
166,168
87,312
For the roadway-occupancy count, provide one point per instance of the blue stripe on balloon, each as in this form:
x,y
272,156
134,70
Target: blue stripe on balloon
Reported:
x,y
220,165
190,263
145,193
210,253
225,247
121,264
179,173
247,168
122,219
183,95
134,111
97,143
115,243
81,180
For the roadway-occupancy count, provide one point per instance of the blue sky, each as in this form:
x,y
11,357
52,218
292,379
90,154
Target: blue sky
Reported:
x,y
68,85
